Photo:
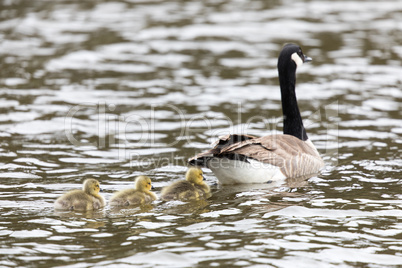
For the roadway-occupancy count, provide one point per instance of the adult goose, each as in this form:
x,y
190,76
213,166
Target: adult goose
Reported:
x,y
249,159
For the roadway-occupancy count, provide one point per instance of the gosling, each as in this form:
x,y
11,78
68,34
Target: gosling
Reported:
x,y
141,195
192,188
86,199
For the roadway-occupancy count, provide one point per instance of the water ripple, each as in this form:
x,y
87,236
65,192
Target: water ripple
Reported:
x,y
118,89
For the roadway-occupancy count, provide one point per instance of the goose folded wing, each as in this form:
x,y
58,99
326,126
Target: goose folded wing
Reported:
x,y
223,142
293,156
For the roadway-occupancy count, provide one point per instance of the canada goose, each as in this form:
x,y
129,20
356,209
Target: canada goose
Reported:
x,y
249,159
192,188
133,197
86,199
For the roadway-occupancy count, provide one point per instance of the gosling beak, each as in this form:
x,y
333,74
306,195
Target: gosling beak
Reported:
x,y
307,59
100,190
203,178
152,187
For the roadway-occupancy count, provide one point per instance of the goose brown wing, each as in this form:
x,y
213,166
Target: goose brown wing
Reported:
x,y
293,156
223,142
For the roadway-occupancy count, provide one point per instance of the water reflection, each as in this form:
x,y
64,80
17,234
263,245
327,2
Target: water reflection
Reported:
x,y
185,208
130,210
152,83
89,214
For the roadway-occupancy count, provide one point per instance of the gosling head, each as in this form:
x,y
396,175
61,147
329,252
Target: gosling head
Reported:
x,y
195,176
91,186
291,54
143,183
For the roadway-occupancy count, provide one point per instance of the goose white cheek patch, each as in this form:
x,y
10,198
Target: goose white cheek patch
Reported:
x,y
296,58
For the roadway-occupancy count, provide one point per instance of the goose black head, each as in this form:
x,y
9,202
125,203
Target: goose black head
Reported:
x,y
291,57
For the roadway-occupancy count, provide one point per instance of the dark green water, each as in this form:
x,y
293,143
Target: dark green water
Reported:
x,y
113,90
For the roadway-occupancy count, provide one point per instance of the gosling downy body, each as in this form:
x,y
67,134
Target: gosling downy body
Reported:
x,y
192,188
133,197
86,199
249,159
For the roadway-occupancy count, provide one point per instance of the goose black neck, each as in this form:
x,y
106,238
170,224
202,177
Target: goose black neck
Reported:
x,y
292,121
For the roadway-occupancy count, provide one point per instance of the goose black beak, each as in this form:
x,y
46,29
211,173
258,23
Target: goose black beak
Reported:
x,y
307,59
100,190
203,178
152,187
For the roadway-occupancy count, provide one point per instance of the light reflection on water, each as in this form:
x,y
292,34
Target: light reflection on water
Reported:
x,y
148,84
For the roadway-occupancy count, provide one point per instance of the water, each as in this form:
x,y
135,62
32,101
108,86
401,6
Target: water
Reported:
x,y
113,90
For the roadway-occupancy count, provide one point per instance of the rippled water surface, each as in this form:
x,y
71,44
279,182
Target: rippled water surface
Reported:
x,y
116,89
